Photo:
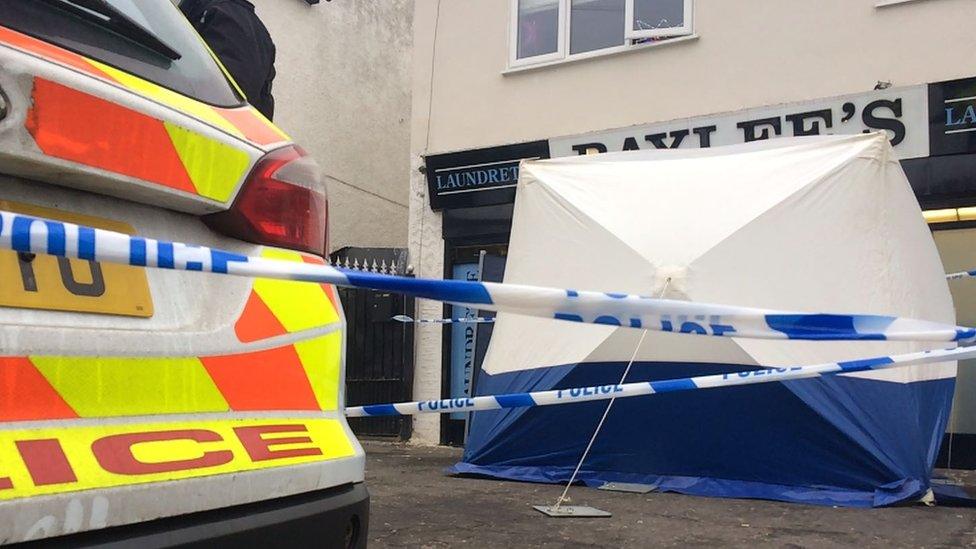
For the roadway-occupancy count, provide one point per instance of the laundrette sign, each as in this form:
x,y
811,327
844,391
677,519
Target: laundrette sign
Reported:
x,y
901,112
479,177
463,179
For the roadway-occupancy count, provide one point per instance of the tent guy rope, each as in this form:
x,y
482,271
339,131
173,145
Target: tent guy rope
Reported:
x,y
606,411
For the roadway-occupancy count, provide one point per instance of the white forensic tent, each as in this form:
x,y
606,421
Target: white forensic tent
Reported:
x,y
818,224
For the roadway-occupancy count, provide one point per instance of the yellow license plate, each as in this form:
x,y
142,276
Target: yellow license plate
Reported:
x,y
59,284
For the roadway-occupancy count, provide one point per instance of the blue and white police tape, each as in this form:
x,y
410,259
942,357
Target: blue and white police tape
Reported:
x,y
29,234
961,274
463,320
643,388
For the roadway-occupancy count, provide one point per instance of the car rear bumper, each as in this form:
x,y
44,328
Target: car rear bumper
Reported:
x,y
333,518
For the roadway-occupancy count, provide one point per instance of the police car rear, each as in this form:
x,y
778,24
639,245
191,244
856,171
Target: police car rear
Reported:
x,y
149,406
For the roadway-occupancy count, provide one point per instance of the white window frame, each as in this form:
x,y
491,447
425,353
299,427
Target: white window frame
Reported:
x,y
563,36
883,3
631,34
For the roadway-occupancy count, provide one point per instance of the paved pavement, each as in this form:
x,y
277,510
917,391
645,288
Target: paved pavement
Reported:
x,y
415,505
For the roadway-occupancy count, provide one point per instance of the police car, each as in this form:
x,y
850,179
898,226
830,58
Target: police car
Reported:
x,y
159,407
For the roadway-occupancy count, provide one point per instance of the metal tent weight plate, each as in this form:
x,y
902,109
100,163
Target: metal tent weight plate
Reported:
x,y
570,511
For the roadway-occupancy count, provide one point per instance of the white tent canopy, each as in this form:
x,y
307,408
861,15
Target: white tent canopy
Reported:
x,y
806,224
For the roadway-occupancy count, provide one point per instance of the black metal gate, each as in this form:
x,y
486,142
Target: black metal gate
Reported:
x,y
379,350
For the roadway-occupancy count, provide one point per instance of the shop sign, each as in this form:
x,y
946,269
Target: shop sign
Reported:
x,y
480,177
952,117
901,112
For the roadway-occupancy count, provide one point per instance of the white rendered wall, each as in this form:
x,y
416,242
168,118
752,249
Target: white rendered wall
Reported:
x,y
343,93
748,53
426,244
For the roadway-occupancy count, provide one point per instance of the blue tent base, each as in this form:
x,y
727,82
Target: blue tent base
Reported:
x,y
839,440
907,490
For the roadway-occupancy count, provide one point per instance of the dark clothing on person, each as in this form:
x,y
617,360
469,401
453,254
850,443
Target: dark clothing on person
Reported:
x,y
241,42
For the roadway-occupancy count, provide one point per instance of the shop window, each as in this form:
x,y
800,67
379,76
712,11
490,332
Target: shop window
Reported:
x,y
547,31
955,246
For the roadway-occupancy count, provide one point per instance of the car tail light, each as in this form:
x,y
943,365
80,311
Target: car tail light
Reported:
x,y
282,203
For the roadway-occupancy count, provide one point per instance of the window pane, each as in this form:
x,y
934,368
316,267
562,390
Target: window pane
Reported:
x,y
596,24
538,27
658,14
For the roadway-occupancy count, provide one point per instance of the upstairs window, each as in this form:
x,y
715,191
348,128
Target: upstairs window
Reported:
x,y
658,18
545,31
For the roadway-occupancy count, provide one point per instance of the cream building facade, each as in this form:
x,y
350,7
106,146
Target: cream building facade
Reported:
x,y
495,81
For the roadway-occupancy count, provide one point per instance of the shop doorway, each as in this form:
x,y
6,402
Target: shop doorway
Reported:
x,y
465,343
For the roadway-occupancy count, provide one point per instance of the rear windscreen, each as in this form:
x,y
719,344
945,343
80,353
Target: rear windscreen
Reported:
x,y
148,38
